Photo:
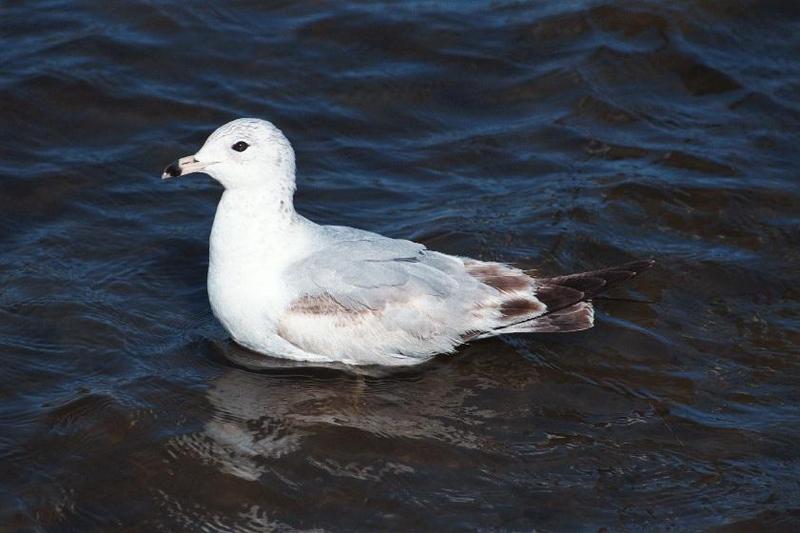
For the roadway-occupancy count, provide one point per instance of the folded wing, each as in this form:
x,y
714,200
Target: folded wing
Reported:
x,y
365,296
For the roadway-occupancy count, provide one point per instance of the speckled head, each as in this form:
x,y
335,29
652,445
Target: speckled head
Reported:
x,y
244,153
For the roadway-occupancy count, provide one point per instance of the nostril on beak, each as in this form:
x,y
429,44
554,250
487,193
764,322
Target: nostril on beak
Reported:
x,y
173,170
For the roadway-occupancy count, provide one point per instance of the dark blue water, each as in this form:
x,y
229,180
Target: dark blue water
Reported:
x,y
557,135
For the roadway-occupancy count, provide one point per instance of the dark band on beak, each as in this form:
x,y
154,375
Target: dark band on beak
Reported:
x,y
183,166
173,170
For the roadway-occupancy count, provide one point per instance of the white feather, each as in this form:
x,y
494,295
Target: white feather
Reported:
x,y
285,286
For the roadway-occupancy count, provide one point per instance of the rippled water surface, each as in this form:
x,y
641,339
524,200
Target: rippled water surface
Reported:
x,y
561,135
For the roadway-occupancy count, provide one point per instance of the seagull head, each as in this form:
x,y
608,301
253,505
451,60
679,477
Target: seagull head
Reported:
x,y
244,153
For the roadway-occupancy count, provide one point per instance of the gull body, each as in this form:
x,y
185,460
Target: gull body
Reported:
x,y
287,287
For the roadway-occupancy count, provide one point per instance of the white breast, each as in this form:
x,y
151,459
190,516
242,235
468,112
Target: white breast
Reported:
x,y
250,248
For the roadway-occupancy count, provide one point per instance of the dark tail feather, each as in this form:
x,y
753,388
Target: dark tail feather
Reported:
x,y
562,291
567,298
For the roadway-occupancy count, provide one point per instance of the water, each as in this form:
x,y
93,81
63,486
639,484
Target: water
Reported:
x,y
561,135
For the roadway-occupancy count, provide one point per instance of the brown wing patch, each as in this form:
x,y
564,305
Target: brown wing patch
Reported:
x,y
326,310
325,306
517,307
565,300
498,276
317,305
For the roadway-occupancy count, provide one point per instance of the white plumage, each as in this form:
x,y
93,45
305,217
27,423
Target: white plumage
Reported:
x,y
287,287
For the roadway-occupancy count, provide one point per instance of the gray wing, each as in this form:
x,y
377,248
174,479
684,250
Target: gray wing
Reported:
x,y
358,269
362,294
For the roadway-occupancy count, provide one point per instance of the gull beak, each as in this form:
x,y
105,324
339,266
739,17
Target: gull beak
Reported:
x,y
183,166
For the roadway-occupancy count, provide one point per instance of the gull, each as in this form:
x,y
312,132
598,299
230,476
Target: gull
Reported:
x,y
284,286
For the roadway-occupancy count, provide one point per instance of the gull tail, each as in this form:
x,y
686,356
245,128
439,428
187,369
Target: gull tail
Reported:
x,y
566,300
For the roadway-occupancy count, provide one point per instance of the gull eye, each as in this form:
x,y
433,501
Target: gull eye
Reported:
x,y
240,146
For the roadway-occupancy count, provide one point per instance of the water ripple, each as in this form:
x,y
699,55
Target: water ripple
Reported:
x,y
557,135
